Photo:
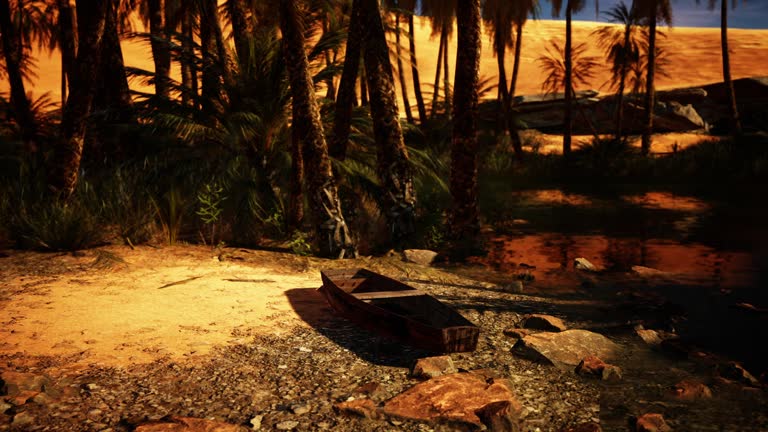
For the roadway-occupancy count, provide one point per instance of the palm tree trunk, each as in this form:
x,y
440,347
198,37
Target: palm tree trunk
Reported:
x,y
241,30
363,88
415,71
331,88
393,166
568,83
516,67
332,233
622,84
440,50
650,89
161,54
67,44
296,209
63,175
730,93
188,69
12,50
464,216
446,76
211,76
501,51
401,72
346,96
115,94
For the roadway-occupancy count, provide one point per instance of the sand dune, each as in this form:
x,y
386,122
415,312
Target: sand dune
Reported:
x,y
694,54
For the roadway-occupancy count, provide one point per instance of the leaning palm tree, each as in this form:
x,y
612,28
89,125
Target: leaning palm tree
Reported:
x,y
393,166
570,7
622,49
441,15
522,10
653,11
730,93
333,236
345,98
498,16
464,217
409,8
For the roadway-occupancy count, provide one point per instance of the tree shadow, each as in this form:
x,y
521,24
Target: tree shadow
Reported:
x,y
310,305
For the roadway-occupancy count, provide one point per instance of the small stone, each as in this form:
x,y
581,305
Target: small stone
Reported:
x,y
517,333
652,423
91,386
305,349
591,365
584,265
94,413
22,398
734,371
584,427
287,425
300,409
611,373
431,367
369,388
420,256
4,407
23,419
359,407
651,337
543,322
256,422
323,425
691,390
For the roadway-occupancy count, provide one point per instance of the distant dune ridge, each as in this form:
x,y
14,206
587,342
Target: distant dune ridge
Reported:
x,y
694,55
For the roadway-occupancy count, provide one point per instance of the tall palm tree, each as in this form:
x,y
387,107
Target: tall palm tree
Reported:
x,y
400,69
735,121
622,48
91,19
498,16
393,166
333,236
67,42
13,53
653,11
409,6
570,7
464,217
522,10
441,15
154,14
345,98
237,11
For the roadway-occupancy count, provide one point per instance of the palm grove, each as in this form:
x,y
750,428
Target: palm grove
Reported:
x,y
282,108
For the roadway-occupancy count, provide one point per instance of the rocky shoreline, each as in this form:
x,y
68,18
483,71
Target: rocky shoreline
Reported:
x,y
297,377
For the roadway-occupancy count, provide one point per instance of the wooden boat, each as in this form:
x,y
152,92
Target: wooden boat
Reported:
x,y
398,311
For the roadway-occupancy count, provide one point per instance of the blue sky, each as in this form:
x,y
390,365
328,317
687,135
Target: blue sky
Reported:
x,y
751,14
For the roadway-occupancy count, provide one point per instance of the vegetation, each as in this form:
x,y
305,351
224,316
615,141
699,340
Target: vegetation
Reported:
x,y
236,150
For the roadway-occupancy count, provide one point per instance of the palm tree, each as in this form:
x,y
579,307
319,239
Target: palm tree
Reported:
x,y
237,11
154,14
441,15
522,9
653,11
400,69
571,7
333,236
393,166
345,98
498,16
91,19
67,43
464,217
730,93
409,6
622,48
13,53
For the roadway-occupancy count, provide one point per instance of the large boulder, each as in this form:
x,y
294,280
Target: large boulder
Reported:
x,y
466,400
188,424
565,349
691,95
675,117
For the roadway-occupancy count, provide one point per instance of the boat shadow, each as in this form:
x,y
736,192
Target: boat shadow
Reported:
x,y
310,305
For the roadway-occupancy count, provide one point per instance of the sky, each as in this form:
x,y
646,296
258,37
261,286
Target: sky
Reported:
x,y
749,14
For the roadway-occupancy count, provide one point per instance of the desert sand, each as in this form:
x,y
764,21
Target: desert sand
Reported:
x,y
694,55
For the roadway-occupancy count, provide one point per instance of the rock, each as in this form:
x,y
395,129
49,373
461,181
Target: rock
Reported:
x,y
463,399
675,117
369,388
431,367
301,409
22,419
256,422
584,264
543,322
188,424
651,337
584,427
651,423
565,349
683,96
735,372
420,256
13,383
287,425
358,407
648,272
611,373
591,365
691,390
516,332
4,407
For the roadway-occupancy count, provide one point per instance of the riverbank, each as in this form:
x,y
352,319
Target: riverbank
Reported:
x,y
125,336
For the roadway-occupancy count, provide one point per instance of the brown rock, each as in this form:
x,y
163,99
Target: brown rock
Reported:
x,y
565,349
735,372
420,256
22,419
591,365
369,388
431,367
651,337
584,427
516,332
22,397
691,390
652,423
13,383
543,322
188,424
462,399
611,373
358,407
